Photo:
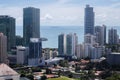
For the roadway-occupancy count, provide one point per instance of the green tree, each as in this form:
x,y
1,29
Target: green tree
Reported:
x,y
43,77
30,76
63,63
115,76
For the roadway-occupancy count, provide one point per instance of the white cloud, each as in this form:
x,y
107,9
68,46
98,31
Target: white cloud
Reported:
x,y
63,1
15,12
46,17
107,15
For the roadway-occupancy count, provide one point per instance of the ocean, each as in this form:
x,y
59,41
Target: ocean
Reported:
x,y
52,32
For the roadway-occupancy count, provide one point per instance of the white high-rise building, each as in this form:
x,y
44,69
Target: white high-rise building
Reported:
x,y
71,41
90,39
113,37
80,51
88,48
98,52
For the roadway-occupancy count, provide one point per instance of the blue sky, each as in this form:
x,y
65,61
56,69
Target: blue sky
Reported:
x,y
64,12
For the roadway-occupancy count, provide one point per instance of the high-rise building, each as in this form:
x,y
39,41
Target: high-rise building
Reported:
x,y
62,44
90,39
104,28
22,55
71,44
31,24
89,20
113,37
100,33
98,52
7,27
19,40
80,51
88,50
35,51
3,48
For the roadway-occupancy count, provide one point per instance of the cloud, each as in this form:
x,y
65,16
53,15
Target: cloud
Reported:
x,y
107,15
63,1
15,12
64,12
115,5
47,17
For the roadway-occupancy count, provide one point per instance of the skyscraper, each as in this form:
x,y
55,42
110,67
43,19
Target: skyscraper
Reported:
x,y
62,44
113,37
71,44
7,27
31,24
3,48
89,20
35,51
100,33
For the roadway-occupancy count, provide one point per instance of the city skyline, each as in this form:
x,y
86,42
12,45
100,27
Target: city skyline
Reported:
x,y
65,12
65,9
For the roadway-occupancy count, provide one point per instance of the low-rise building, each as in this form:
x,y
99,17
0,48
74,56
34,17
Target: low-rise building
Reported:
x,y
49,53
19,55
113,58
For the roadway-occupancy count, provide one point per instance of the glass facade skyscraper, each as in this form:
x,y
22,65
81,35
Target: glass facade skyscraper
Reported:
x,y
31,24
62,44
35,50
89,20
7,27
71,43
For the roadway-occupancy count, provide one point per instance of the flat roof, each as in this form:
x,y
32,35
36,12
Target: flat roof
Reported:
x,y
115,53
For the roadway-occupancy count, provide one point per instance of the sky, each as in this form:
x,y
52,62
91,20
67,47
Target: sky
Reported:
x,y
64,12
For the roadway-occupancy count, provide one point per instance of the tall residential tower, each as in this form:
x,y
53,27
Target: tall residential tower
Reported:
x,y
71,40
113,36
100,33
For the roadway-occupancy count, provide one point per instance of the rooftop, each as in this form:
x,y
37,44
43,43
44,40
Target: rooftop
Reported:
x,y
116,53
5,70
